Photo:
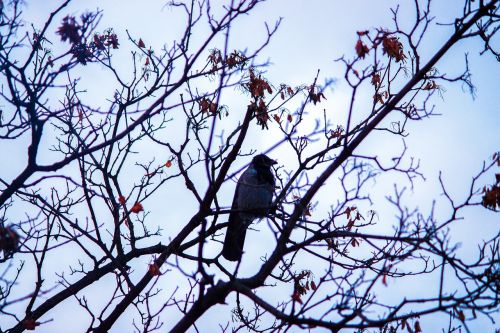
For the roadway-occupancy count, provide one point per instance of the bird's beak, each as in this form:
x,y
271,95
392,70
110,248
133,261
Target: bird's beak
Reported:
x,y
273,162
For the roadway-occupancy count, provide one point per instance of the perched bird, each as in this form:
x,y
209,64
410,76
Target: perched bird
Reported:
x,y
252,199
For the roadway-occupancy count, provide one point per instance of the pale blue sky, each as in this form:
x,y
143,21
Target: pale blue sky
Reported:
x,y
311,36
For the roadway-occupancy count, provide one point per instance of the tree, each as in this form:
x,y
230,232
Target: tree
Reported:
x,y
77,216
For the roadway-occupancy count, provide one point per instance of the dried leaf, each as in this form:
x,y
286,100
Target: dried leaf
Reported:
x,y
154,269
384,279
461,315
361,49
136,208
417,327
296,297
69,30
30,324
393,48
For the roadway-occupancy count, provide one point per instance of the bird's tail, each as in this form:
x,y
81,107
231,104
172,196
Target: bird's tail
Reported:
x,y
235,238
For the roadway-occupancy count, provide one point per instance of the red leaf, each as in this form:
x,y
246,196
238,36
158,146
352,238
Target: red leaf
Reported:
x,y
168,164
141,43
99,41
348,211
393,48
313,285
69,30
154,269
461,315
136,208
350,224
122,200
112,40
417,327
361,49
491,197
296,297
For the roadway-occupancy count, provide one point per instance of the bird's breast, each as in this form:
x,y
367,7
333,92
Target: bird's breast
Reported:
x,y
252,196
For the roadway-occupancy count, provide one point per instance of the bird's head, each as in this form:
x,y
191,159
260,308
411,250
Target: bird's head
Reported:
x,y
263,161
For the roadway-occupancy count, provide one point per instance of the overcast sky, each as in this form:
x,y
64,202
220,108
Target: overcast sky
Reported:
x,y
312,35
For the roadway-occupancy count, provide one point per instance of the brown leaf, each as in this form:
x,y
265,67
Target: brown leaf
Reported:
x,y
141,43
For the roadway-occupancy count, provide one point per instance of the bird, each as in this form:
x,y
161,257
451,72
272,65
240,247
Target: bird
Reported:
x,y
252,199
